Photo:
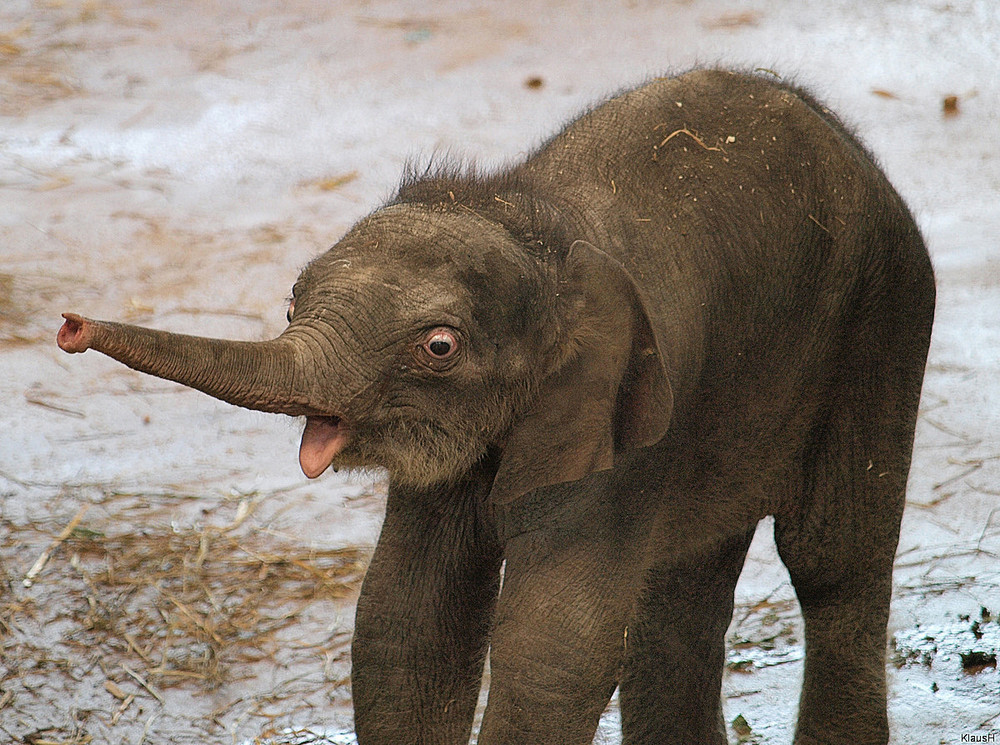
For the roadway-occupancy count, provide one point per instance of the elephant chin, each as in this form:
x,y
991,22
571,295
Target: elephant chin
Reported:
x,y
323,438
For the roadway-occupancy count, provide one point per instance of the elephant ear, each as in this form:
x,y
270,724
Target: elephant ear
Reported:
x,y
610,394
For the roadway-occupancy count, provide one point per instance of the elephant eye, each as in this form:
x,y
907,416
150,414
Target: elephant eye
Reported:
x,y
440,345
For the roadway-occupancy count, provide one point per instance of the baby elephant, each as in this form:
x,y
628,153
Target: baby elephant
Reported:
x,y
698,305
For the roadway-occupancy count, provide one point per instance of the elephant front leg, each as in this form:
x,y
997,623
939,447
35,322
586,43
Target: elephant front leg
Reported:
x,y
558,642
423,619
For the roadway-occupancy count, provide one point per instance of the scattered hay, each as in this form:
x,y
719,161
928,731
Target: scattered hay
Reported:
x,y
765,634
734,20
167,605
690,134
190,603
330,183
143,622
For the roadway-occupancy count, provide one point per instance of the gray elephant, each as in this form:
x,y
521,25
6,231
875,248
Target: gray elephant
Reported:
x,y
698,305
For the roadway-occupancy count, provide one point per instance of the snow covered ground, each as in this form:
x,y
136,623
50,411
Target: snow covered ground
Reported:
x,y
176,164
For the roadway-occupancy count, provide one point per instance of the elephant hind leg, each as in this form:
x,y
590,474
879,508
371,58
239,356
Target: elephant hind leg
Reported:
x,y
670,690
839,543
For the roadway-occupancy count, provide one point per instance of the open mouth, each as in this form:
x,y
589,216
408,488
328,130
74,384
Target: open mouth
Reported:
x,y
323,438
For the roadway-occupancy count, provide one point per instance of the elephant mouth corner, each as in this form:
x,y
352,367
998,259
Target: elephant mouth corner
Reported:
x,y
322,440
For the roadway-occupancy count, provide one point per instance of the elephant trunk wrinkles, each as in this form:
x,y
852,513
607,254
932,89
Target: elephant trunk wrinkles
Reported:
x,y
254,375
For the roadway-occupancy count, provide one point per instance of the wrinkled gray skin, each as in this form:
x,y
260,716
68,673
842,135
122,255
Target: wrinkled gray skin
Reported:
x,y
698,305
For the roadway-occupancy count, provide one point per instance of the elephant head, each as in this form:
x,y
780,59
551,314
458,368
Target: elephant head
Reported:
x,y
428,340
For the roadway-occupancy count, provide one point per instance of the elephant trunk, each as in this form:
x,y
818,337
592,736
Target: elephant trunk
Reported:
x,y
254,375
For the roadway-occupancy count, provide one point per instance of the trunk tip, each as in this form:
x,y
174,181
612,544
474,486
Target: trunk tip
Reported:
x,y
76,334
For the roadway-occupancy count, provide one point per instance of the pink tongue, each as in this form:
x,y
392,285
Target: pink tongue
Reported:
x,y
322,439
